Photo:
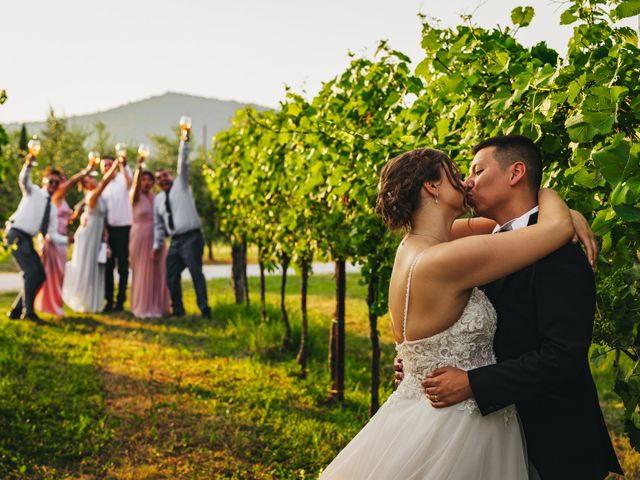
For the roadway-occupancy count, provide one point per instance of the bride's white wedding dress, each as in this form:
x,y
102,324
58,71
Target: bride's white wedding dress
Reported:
x,y
410,439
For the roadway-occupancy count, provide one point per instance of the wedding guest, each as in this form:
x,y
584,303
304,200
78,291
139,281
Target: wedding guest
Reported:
x,y
175,214
84,278
55,244
149,293
119,216
33,215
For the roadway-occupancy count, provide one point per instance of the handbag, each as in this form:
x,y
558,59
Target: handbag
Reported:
x,y
102,253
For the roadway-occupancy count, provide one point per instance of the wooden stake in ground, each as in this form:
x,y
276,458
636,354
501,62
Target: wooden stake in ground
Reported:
x,y
239,269
263,288
336,339
286,339
304,328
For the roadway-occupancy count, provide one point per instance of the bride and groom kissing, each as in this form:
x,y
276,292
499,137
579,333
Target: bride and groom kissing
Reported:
x,y
492,331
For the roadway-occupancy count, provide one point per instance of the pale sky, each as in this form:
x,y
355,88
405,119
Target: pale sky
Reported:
x,y
82,56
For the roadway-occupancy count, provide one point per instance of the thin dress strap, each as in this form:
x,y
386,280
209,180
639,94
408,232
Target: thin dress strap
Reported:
x,y
406,298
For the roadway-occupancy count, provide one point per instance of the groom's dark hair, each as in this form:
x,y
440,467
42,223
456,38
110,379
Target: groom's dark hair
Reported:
x,y
516,148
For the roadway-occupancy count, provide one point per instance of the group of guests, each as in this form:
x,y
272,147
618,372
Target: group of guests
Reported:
x,y
123,224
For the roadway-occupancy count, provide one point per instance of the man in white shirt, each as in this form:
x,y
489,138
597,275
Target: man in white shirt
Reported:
x,y
35,214
119,218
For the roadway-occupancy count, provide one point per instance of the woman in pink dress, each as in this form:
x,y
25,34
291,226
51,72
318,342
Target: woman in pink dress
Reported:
x,y
149,293
54,250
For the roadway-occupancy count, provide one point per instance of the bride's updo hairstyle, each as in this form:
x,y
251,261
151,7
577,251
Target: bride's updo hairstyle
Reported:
x,y
402,179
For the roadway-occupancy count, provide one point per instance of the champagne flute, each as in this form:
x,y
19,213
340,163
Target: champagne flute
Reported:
x,y
121,149
185,122
34,149
143,152
94,158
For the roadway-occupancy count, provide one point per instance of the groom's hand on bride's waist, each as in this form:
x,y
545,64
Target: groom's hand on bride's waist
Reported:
x,y
447,386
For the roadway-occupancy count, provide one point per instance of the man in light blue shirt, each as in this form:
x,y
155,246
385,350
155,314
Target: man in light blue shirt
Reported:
x,y
175,214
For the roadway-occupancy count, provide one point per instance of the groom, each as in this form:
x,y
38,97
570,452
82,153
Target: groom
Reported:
x,y
545,322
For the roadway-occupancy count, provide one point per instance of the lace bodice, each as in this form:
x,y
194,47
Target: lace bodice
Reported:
x,y
466,344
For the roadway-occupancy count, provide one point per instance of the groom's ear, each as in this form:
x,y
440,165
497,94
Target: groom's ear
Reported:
x,y
517,173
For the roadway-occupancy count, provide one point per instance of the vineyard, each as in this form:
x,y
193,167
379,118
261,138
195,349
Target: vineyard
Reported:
x,y
300,182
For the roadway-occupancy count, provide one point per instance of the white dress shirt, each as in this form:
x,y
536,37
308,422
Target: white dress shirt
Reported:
x,y
116,196
516,223
183,207
28,215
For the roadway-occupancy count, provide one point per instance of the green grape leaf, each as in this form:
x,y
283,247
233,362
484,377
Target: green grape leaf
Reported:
x,y
628,213
628,8
611,161
522,17
582,133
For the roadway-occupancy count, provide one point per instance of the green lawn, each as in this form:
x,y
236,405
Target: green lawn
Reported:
x,y
106,396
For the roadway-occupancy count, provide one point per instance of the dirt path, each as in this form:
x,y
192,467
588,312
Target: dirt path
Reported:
x,y
162,427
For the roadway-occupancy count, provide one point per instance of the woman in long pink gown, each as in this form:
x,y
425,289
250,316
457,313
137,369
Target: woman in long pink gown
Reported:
x,y
149,292
54,253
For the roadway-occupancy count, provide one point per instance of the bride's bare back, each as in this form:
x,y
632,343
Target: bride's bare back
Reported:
x,y
433,306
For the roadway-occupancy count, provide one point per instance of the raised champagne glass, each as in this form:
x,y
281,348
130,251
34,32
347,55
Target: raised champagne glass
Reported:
x,y
34,149
143,152
121,149
94,158
185,123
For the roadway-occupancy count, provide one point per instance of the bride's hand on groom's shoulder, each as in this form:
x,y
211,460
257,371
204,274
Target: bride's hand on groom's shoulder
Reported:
x,y
399,371
447,386
585,236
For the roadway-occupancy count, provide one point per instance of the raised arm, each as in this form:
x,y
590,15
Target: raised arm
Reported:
x,y
24,179
64,188
134,192
92,198
183,160
126,172
478,260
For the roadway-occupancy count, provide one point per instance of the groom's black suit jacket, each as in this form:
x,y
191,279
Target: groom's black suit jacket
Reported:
x,y
545,323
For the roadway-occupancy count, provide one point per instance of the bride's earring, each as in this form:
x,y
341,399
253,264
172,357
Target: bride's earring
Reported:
x,y
436,199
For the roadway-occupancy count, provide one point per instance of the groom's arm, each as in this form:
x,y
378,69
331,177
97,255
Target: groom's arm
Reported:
x,y
565,303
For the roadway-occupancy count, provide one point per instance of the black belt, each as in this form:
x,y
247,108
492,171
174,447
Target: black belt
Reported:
x,y
187,233
19,232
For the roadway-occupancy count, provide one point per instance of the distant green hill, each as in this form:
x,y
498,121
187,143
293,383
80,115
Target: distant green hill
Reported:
x,y
135,121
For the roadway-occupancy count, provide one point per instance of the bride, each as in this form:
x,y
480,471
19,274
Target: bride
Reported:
x,y
440,318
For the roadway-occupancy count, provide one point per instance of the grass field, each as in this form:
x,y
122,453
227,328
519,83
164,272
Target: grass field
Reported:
x,y
106,396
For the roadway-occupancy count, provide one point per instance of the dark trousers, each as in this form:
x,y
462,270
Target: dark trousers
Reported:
x,y
119,245
32,271
185,251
